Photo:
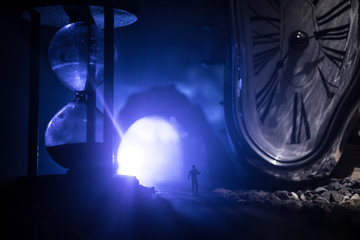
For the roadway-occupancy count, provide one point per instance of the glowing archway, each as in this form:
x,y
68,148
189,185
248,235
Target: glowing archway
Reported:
x,y
151,150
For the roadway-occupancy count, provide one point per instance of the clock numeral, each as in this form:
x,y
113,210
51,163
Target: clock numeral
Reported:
x,y
327,85
266,95
334,55
301,128
258,18
262,58
265,38
275,4
334,12
335,33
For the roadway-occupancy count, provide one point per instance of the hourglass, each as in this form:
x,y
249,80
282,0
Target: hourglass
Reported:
x,y
74,136
79,137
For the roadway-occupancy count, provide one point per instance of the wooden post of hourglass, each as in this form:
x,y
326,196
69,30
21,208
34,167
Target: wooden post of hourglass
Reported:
x,y
108,83
90,87
33,129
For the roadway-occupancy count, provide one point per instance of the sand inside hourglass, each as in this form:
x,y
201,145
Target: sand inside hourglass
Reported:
x,y
77,156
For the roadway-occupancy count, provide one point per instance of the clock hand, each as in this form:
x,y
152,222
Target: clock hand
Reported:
x,y
265,96
297,40
280,63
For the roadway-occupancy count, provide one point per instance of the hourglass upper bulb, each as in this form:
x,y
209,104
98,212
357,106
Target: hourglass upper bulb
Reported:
x,y
75,49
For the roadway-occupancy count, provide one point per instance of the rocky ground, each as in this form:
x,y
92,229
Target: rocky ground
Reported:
x,y
339,192
51,208
329,211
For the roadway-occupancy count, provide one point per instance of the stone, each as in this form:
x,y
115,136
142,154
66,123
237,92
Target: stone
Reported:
x,y
354,200
344,200
326,195
336,197
263,193
302,197
345,190
320,190
283,195
321,200
336,186
293,196
309,194
332,196
355,197
274,197
345,180
253,196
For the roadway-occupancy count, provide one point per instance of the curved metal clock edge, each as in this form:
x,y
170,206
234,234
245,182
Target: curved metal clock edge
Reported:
x,y
318,163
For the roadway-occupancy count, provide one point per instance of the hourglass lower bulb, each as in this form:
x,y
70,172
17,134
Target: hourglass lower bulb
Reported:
x,y
66,137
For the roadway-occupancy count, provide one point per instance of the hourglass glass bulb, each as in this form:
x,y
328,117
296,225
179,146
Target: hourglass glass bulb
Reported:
x,y
73,48
66,136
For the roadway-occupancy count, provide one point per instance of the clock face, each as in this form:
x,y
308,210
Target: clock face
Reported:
x,y
296,62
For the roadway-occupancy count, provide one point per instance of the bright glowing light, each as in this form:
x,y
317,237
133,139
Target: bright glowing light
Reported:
x,y
151,150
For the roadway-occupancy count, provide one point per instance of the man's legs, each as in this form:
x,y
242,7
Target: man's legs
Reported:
x,y
196,188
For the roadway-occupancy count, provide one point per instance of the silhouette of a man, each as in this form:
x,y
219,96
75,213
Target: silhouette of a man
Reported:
x,y
193,172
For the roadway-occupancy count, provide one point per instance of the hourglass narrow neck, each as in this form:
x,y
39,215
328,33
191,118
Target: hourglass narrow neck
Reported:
x,y
80,96
90,101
